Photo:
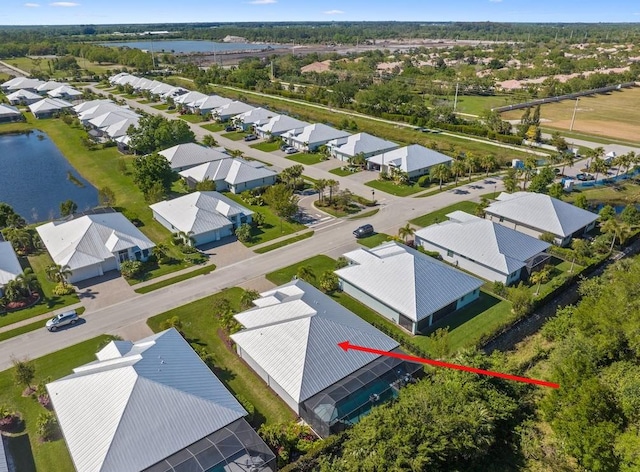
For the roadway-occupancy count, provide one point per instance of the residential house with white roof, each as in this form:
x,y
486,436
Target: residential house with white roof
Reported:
x,y
209,103
23,97
205,216
363,144
185,156
153,405
536,214
65,92
252,118
48,107
415,160
84,106
190,98
311,137
21,83
228,111
484,248
9,113
10,266
410,288
235,175
92,245
290,339
279,125
46,87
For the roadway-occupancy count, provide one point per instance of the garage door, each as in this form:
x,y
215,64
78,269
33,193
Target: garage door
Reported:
x,y
84,273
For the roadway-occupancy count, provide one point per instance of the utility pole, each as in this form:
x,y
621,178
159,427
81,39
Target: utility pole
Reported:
x,y
455,100
573,118
273,76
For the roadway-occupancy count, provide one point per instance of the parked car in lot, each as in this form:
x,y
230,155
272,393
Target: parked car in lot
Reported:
x,y
250,137
290,150
230,128
585,176
63,319
363,231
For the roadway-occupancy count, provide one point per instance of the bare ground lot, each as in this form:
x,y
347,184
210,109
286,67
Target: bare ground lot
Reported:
x,y
612,115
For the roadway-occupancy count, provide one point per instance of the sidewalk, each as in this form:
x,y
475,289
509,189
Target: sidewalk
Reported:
x,y
44,316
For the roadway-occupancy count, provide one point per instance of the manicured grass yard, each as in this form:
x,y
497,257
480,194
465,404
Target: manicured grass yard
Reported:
x,y
49,456
214,127
440,215
286,242
306,158
374,240
390,187
193,118
234,135
267,146
162,106
341,172
201,328
271,227
179,278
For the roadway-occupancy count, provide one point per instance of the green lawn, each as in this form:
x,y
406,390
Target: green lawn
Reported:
x,y
161,107
374,240
214,127
365,214
394,189
286,242
340,171
193,118
319,264
235,135
179,278
49,456
306,158
271,229
267,146
440,215
201,328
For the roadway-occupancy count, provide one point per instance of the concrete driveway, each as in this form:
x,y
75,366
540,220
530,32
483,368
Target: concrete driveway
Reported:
x,y
100,292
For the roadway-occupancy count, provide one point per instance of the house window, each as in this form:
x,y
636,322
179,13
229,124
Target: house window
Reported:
x,y
449,253
145,253
123,255
501,219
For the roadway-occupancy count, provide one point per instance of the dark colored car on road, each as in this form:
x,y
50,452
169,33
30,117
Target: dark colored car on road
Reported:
x,y
363,231
250,137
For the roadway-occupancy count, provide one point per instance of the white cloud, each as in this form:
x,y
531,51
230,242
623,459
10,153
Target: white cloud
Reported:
x,y
333,12
32,5
64,4
263,2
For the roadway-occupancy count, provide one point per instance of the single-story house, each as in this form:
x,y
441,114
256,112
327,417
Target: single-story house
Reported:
x,y
153,405
279,125
210,103
415,160
10,266
92,245
228,111
9,113
483,247
410,288
114,123
48,86
190,98
252,118
23,97
185,156
65,92
101,108
362,143
537,213
21,83
47,107
235,175
311,137
85,106
290,339
204,216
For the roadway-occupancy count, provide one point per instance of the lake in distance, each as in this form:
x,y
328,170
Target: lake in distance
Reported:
x,y
187,46
34,178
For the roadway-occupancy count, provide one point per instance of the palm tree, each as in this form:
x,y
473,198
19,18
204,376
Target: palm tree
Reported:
x,y
618,230
305,273
28,281
406,231
247,298
440,172
457,168
58,273
12,291
20,239
540,277
320,186
333,185
470,163
568,158
598,166
488,163
161,252
529,166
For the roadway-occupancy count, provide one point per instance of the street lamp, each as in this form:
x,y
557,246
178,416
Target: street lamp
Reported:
x,y
373,196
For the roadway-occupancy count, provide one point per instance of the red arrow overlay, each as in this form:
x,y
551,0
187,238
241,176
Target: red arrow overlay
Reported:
x,y
346,345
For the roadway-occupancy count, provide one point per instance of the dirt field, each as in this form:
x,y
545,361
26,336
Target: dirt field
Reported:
x,y
612,115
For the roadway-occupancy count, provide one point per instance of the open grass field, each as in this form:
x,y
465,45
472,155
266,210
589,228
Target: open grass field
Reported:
x,y
27,64
200,327
477,104
30,454
611,115
397,133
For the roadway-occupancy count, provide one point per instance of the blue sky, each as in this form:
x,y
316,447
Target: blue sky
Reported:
x,y
156,11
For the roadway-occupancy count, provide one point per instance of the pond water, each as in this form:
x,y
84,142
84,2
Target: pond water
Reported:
x,y
186,46
35,178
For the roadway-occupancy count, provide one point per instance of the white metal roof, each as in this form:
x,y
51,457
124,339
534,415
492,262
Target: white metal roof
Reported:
x,y
50,85
84,106
255,116
190,155
406,280
139,403
26,94
293,334
315,133
101,108
212,101
411,158
485,242
280,124
190,98
199,212
49,104
8,110
10,267
361,143
232,109
233,171
64,91
90,239
542,212
21,83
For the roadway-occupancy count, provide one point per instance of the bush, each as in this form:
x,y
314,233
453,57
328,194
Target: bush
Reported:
x,y
329,282
46,426
62,289
424,181
243,233
131,269
499,289
247,405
